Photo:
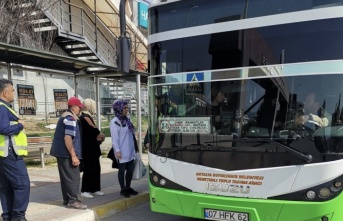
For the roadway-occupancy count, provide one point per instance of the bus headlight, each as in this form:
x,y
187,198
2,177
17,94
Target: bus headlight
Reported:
x,y
158,180
336,186
310,194
318,193
324,192
163,182
155,179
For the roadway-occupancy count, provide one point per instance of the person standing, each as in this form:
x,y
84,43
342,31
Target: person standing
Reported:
x,y
14,179
122,135
66,147
217,98
91,152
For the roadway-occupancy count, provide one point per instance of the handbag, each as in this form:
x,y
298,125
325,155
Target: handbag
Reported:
x,y
139,168
135,142
110,155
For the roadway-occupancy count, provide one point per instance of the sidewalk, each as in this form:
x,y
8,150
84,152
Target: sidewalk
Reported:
x,y
46,197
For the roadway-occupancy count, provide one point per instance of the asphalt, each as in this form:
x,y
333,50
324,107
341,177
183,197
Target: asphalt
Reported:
x,y
46,197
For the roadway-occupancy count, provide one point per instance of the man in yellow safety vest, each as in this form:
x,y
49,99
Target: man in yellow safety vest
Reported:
x,y
14,179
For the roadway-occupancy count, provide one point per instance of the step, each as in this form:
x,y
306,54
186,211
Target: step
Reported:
x,y
48,28
82,55
40,21
76,49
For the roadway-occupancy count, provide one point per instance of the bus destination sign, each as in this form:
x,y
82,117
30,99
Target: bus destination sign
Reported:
x,y
200,125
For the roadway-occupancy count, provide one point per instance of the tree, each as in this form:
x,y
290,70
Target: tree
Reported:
x,y
21,22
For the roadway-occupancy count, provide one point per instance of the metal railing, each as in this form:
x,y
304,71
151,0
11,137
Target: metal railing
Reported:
x,y
75,23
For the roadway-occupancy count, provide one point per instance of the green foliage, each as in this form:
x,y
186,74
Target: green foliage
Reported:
x,y
40,134
106,131
41,125
36,162
105,124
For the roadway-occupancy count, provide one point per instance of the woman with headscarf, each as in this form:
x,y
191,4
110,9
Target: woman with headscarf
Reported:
x,y
123,144
91,152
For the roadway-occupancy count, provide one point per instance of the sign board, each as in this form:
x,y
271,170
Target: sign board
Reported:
x,y
199,125
195,86
61,101
143,15
26,99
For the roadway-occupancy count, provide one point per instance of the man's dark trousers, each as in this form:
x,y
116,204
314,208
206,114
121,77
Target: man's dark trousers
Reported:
x,y
14,185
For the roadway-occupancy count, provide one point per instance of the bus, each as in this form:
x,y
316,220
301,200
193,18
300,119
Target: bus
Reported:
x,y
246,110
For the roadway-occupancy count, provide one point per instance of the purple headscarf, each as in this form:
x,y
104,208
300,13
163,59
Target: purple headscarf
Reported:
x,y
118,107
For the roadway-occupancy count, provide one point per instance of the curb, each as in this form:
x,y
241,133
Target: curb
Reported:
x,y
85,215
117,206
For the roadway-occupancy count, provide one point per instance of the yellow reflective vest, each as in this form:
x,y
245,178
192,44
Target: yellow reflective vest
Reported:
x,y
19,141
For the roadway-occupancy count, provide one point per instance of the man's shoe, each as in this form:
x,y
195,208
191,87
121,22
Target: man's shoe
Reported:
x,y
87,195
77,205
22,218
132,191
98,193
125,193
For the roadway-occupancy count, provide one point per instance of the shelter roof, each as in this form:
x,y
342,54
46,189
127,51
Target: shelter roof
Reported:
x,y
25,56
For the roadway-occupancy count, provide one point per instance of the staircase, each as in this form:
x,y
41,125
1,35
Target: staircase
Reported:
x,y
83,35
77,33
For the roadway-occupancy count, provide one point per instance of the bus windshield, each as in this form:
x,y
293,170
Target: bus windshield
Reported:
x,y
204,117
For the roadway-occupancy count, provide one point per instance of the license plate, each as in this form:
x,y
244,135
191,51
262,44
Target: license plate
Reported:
x,y
225,215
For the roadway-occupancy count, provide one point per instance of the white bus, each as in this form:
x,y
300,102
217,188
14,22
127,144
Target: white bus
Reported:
x,y
227,78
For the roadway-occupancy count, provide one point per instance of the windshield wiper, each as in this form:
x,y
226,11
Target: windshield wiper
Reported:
x,y
305,157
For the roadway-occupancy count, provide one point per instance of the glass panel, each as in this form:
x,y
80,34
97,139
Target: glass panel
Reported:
x,y
290,43
264,121
190,13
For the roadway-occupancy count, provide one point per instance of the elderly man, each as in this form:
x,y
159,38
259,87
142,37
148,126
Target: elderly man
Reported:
x,y
66,147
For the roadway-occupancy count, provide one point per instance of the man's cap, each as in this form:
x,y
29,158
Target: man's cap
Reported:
x,y
75,101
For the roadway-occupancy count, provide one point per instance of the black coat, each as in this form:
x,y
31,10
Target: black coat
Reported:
x,y
90,145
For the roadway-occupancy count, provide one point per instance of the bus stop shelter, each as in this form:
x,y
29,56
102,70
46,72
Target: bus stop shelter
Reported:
x,y
12,56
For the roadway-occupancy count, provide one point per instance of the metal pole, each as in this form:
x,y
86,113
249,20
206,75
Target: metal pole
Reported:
x,y
75,86
95,28
61,10
70,19
122,19
9,71
45,98
139,114
82,24
9,76
97,100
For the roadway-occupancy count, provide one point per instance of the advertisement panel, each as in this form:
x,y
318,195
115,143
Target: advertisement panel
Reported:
x,y
26,99
61,101
143,15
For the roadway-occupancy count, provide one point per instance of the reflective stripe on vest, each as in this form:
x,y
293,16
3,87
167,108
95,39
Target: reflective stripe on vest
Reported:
x,y
19,141
4,143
